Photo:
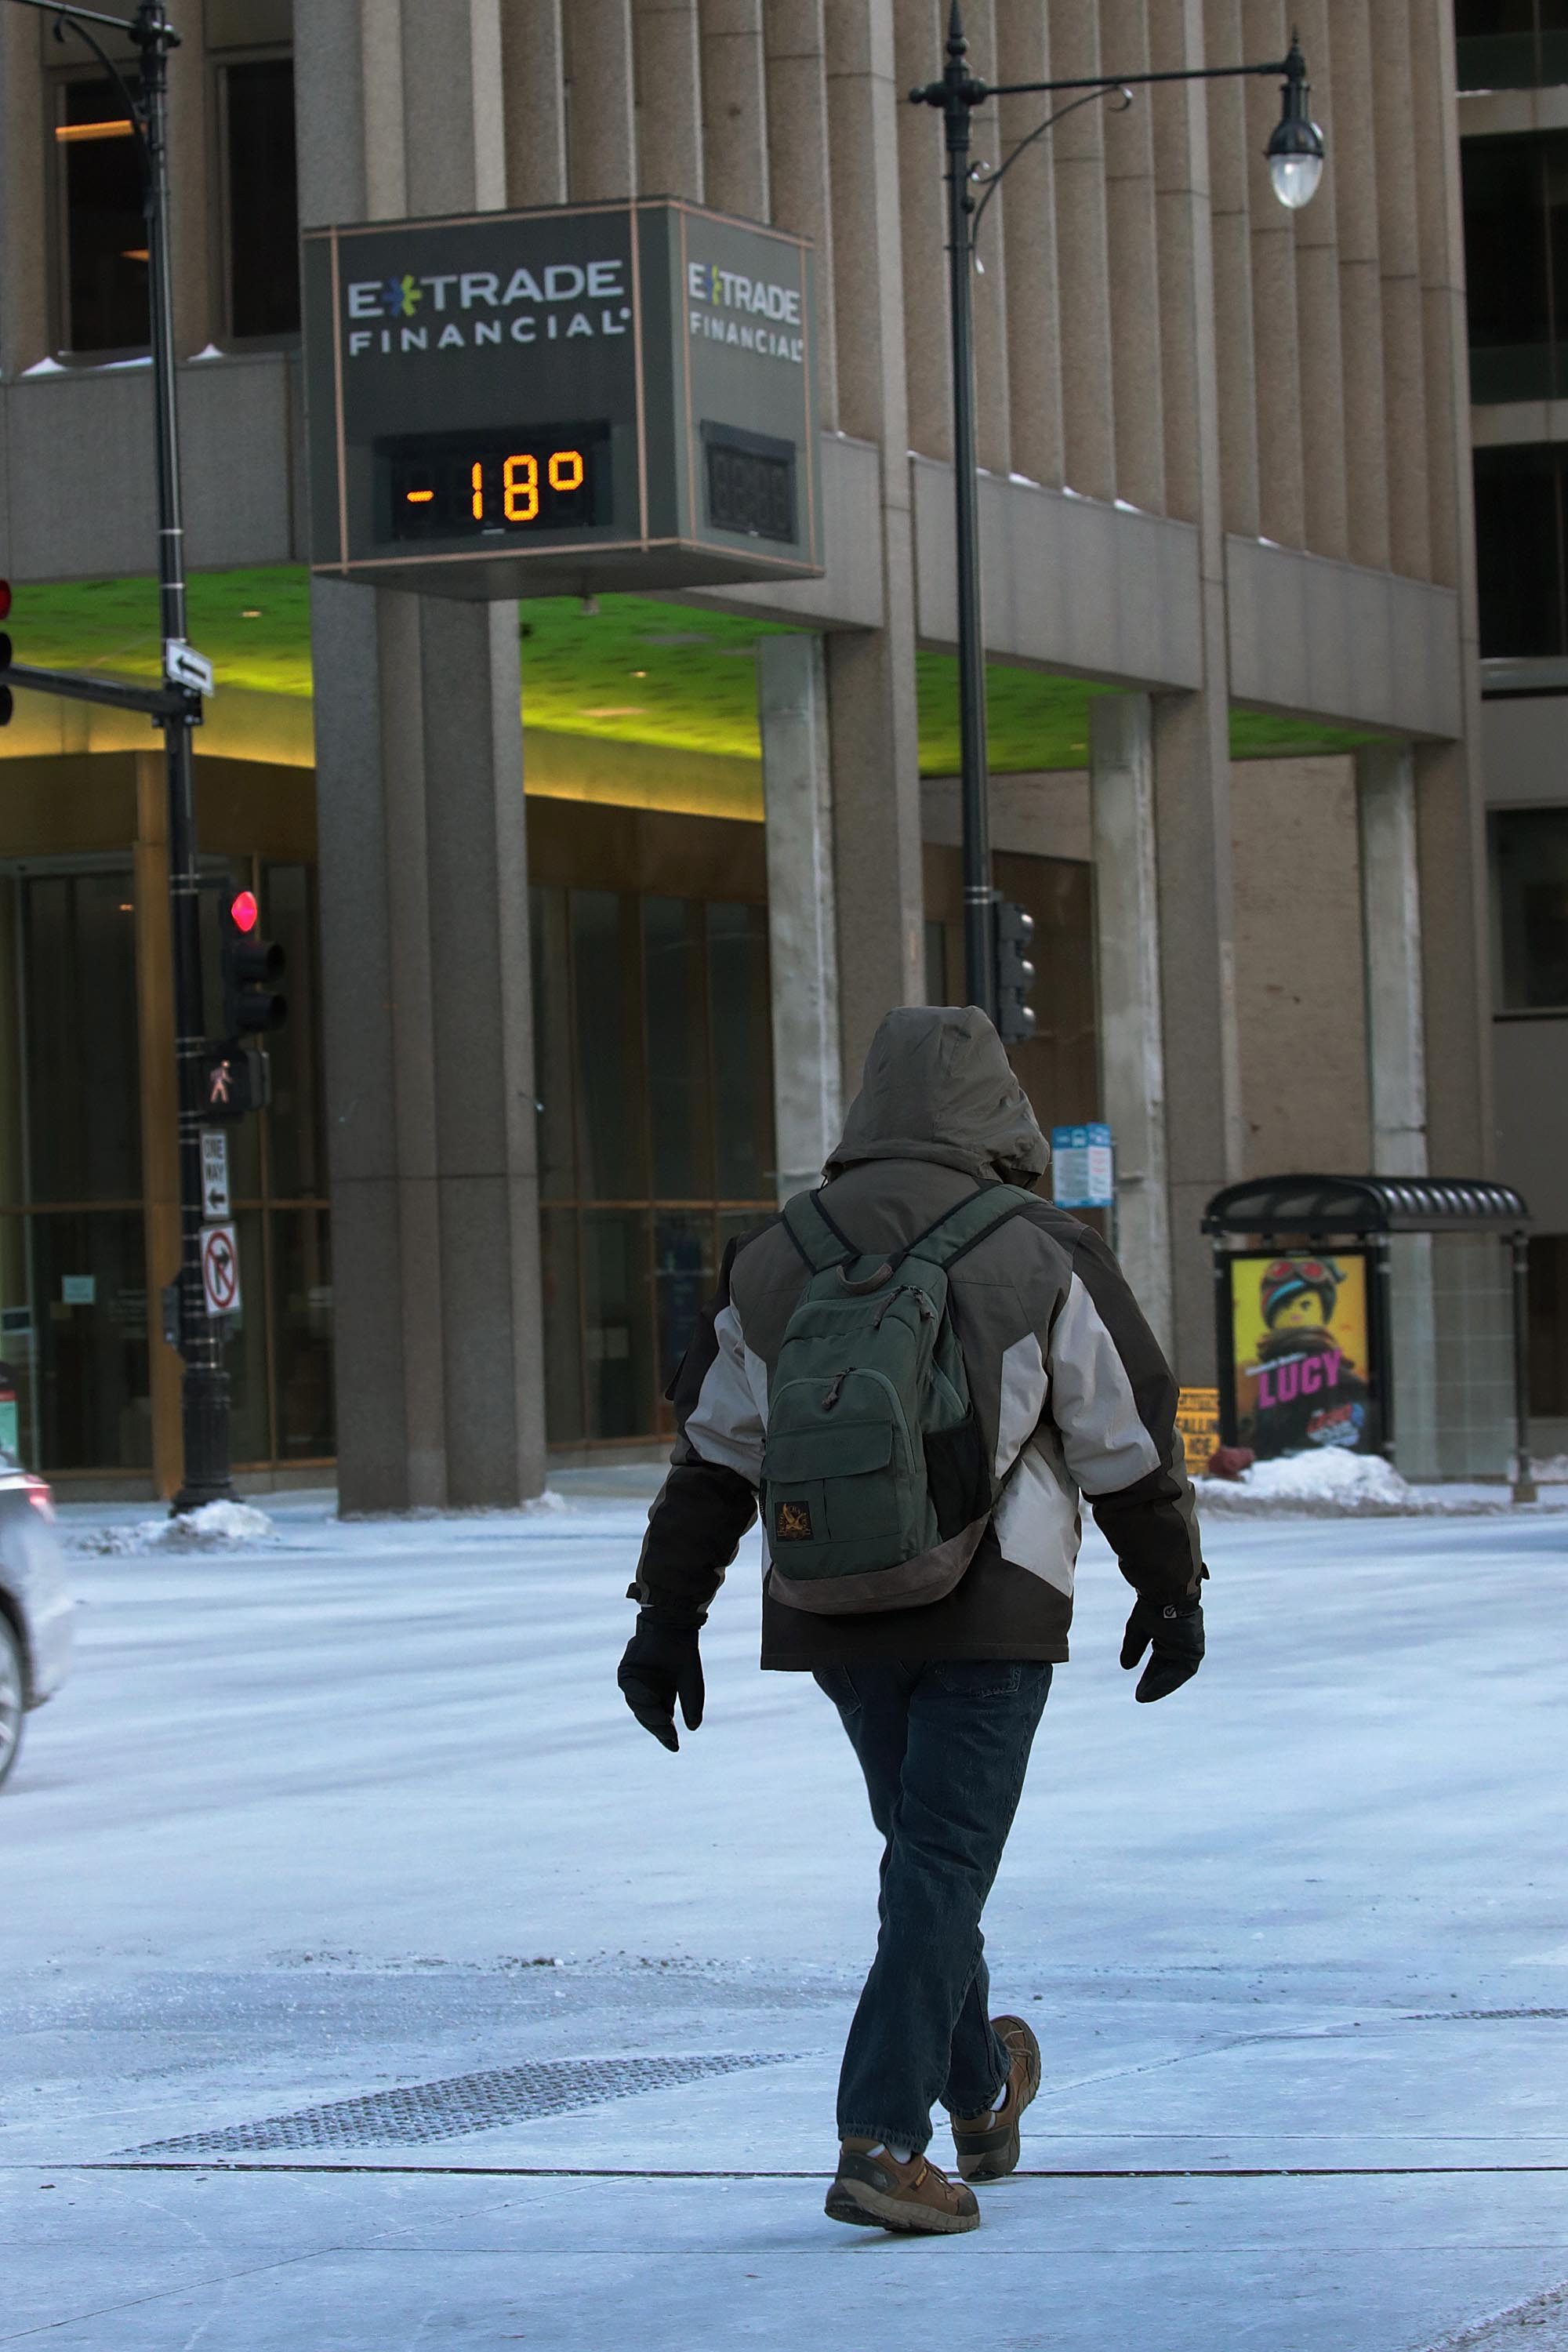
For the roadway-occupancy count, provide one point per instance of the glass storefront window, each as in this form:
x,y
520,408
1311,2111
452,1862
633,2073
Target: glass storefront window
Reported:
x,y
563,1318
78,972
1549,1326
616,1333
1530,861
102,234
654,1074
741,1017
297,1121
306,1428
685,1269
680,1093
77,1345
245,1355
74,1309
611,1102
553,1043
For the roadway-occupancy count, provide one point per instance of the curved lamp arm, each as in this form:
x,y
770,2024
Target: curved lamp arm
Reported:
x,y
66,20
993,179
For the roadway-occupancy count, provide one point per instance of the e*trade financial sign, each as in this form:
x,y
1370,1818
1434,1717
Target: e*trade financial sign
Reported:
x,y
554,401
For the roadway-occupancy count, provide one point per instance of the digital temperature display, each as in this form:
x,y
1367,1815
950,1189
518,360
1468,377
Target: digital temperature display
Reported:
x,y
464,486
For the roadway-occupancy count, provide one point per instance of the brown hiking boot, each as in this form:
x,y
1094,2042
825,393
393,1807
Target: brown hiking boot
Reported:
x,y
878,2192
987,2144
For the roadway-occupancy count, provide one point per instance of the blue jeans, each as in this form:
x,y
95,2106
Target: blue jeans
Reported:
x,y
944,1749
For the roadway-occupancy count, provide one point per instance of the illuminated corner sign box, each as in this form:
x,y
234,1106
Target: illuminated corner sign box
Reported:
x,y
552,402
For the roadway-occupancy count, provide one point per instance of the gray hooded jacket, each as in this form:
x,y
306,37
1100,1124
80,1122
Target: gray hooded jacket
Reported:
x,y
1073,1394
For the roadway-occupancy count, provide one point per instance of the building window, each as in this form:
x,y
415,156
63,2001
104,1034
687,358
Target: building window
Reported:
x,y
1530,864
102,230
261,198
1516,261
1511,44
1519,550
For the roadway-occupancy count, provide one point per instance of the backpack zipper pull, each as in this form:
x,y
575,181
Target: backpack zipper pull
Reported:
x,y
831,1399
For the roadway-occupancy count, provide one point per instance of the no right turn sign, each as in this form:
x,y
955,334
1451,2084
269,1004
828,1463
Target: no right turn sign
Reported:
x,y
220,1269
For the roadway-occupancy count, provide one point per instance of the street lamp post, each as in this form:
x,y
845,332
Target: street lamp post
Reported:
x,y
1295,164
176,706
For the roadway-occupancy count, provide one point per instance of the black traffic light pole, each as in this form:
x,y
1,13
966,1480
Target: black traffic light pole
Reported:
x,y
958,93
204,1388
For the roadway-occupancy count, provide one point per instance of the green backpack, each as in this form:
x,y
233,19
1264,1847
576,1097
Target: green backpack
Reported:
x,y
876,1479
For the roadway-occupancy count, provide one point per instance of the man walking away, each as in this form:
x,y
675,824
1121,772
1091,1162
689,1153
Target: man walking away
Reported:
x,y
918,1371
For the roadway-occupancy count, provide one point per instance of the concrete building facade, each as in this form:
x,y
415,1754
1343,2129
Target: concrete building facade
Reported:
x,y
1514,119
593,986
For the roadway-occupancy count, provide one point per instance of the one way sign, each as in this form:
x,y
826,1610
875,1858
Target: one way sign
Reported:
x,y
215,1175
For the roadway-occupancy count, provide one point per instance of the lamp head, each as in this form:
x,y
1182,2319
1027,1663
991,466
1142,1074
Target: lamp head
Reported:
x,y
1295,147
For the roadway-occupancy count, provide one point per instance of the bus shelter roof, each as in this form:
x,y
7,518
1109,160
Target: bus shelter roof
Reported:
x,y
1318,1206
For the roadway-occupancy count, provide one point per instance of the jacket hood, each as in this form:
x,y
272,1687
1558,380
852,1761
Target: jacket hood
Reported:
x,y
937,1085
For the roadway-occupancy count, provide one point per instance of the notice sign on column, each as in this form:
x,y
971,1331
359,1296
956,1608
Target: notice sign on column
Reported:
x,y
1081,1167
220,1269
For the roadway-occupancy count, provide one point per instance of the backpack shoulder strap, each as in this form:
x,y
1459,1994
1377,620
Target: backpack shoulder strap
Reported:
x,y
815,1234
969,1222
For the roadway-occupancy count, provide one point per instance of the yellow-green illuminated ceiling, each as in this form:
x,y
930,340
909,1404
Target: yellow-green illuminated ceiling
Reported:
x,y
633,671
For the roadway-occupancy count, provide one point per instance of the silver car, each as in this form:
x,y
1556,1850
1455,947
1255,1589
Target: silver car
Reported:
x,y
36,1605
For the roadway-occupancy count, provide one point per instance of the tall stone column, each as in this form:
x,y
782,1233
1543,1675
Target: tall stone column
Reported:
x,y
424,876
1397,1076
872,717
1203,1129
1391,931
1131,1030
24,165
802,945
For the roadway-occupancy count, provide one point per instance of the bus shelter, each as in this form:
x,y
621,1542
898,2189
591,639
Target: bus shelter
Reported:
x,y
1376,1315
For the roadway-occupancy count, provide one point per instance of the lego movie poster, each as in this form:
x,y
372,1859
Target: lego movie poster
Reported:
x,y
1302,1354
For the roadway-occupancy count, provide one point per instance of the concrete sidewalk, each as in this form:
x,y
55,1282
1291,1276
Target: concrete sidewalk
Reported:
x,y
369,1983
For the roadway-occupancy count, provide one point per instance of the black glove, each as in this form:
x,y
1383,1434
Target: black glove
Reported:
x,y
1175,1637
661,1665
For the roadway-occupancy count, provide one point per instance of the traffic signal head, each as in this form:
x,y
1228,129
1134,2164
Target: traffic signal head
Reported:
x,y
1015,972
251,967
7,700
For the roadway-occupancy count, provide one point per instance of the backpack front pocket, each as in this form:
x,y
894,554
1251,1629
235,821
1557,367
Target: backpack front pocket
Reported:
x,y
833,1485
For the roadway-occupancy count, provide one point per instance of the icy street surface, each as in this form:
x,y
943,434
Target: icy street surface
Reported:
x,y
349,1808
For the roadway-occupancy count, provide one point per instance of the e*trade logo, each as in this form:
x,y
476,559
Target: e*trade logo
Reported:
x,y
468,308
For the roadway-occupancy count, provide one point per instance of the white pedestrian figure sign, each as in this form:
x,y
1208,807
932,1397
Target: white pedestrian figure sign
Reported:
x,y
220,1269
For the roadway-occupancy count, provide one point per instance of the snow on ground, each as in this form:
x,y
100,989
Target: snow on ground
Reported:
x,y
1333,1485
349,1806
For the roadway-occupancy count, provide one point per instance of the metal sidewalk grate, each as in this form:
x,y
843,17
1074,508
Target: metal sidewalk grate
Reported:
x,y
417,2112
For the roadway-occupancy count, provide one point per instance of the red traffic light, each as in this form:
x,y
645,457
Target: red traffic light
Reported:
x,y
243,911
4,599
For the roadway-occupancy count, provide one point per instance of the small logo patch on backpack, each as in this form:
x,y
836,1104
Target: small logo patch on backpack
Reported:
x,y
791,1522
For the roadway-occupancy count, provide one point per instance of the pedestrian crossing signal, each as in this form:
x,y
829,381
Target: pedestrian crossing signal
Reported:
x,y
236,1079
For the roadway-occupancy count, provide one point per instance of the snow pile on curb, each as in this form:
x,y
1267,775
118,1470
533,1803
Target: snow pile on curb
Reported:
x,y
1330,1484
215,1526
